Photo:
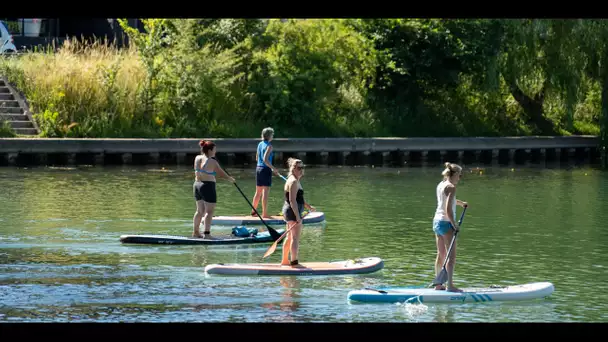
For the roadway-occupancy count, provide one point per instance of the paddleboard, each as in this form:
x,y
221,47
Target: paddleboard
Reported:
x,y
469,295
357,266
313,217
261,237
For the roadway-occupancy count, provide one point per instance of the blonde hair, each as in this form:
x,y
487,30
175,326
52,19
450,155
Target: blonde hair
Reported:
x,y
292,163
450,170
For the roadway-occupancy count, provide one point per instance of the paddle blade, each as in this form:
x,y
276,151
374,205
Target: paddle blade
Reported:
x,y
275,244
271,249
273,233
441,278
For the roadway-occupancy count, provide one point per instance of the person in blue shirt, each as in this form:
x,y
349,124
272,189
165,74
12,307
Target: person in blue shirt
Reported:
x,y
264,171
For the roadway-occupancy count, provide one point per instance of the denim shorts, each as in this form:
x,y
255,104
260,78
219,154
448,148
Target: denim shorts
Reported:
x,y
441,227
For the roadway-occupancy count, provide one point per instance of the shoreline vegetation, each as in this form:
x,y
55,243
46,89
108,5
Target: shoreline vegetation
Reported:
x,y
228,78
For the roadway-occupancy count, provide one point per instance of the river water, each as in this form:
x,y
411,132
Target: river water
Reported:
x,y
61,259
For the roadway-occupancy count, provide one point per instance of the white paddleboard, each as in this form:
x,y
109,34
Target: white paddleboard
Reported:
x,y
248,220
469,295
356,266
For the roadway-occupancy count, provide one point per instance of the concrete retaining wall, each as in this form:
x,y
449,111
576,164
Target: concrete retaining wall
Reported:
x,y
394,151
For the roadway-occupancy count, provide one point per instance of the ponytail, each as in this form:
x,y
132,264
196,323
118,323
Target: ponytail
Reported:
x,y
206,146
450,170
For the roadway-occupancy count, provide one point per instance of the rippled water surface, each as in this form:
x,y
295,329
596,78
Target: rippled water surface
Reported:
x,y
61,260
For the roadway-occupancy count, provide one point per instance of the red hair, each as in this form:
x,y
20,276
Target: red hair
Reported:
x,y
206,146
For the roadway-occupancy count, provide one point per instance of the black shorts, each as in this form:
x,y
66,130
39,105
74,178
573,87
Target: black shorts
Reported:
x,y
288,214
263,176
205,191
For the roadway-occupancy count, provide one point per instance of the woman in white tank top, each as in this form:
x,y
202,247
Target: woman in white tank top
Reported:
x,y
444,222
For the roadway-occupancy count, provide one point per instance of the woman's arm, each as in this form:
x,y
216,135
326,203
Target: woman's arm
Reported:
x,y
462,203
309,207
267,162
450,191
197,162
221,172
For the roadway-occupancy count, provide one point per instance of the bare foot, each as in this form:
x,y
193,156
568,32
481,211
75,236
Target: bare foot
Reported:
x,y
197,235
439,287
454,289
266,216
285,263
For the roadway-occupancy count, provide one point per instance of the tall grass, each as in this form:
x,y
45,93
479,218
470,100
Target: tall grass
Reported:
x,y
95,90
80,90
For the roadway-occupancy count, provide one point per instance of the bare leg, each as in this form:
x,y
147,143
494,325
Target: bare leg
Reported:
x,y
198,216
287,245
441,252
209,208
295,243
265,192
451,261
256,198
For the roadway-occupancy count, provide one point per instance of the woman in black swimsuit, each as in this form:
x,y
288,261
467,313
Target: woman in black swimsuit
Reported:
x,y
292,211
205,170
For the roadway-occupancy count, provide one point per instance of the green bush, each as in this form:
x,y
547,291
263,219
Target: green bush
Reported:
x,y
6,131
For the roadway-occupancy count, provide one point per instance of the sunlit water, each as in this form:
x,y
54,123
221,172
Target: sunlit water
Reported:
x,y
61,260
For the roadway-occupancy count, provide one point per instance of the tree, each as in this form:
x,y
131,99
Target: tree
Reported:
x,y
420,66
313,73
537,57
592,36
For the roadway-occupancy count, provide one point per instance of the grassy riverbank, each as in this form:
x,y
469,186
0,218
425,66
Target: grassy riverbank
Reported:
x,y
306,78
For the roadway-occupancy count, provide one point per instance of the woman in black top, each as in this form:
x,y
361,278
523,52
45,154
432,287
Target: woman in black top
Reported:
x,y
292,211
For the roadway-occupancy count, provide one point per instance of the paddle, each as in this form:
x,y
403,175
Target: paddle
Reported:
x,y
442,277
276,243
273,233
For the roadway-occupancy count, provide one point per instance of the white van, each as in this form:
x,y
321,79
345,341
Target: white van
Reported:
x,y
6,40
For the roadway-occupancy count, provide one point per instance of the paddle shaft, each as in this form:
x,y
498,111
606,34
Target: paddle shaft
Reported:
x,y
276,243
271,230
440,279
445,262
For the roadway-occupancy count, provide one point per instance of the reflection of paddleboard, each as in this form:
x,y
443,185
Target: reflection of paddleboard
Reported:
x,y
313,217
429,295
363,265
184,240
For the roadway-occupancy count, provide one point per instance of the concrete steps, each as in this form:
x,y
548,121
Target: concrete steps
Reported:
x,y
26,131
11,110
13,117
15,111
9,103
21,124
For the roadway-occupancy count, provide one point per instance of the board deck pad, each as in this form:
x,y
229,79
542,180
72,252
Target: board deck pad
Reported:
x,y
248,220
355,266
262,237
469,295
